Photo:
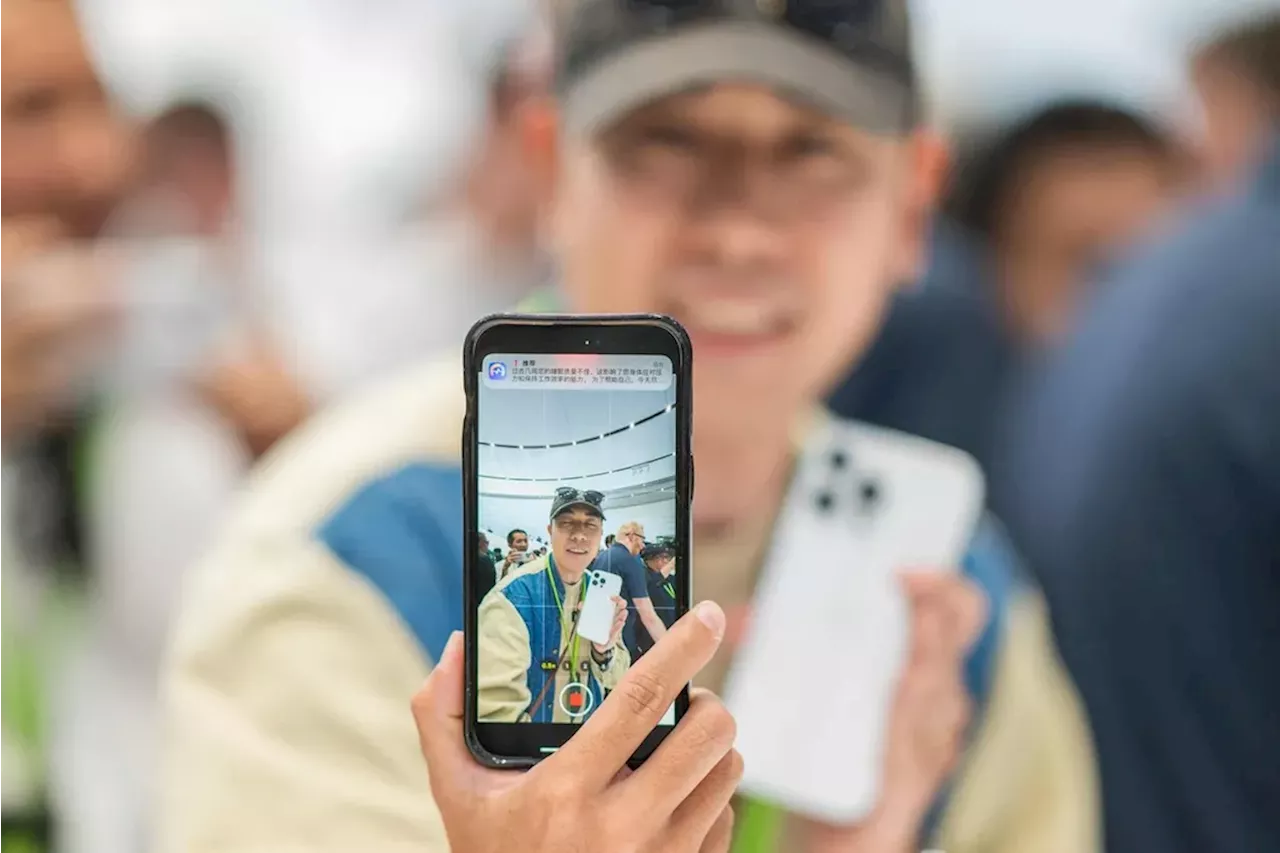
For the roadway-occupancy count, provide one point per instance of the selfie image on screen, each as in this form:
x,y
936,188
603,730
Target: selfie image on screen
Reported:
x,y
577,518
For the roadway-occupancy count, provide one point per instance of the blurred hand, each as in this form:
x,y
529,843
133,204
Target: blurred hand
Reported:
x,y
930,713
582,798
258,394
619,622
56,303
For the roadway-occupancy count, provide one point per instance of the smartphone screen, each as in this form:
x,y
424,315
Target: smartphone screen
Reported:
x,y
579,481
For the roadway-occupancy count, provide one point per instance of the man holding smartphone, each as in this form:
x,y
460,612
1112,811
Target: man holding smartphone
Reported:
x,y
528,628
759,172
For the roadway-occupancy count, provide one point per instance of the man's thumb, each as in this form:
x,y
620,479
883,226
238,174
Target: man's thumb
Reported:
x,y
438,708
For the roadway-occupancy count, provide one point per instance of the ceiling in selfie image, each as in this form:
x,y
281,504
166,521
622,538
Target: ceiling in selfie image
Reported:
x,y
612,441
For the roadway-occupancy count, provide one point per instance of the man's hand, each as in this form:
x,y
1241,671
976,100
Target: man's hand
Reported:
x,y
930,713
582,797
257,394
57,309
619,622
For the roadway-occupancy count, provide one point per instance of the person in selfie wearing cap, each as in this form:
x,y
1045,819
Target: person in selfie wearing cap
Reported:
x,y
760,172
533,666
660,567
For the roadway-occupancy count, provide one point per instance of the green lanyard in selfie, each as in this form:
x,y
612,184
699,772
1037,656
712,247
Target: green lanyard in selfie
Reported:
x,y
671,590
573,622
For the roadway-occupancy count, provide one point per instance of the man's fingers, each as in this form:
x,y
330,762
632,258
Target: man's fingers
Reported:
x,y
701,815
438,711
26,236
699,742
948,612
720,838
640,700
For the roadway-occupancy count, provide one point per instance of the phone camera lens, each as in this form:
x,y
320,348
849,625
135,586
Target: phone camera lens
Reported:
x,y
838,460
869,493
825,501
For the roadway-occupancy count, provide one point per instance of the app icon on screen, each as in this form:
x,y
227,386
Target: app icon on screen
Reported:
x,y
497,370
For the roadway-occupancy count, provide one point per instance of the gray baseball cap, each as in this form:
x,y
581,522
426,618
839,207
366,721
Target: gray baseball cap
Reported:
x,y
849,58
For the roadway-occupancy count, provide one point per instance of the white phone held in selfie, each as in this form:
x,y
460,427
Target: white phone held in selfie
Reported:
x,y
595,619
812,685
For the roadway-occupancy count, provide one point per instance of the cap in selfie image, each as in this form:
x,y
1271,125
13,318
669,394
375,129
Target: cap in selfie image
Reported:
x,y
567,498
850,59
656,552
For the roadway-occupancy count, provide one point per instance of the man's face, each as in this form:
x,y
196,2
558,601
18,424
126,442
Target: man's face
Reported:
x,y
65,154
575,538
634,540
484,545
773,233
520,543
1070,216
1236,123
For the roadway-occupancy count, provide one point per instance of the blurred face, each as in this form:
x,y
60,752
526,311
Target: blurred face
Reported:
x,y
1236,114
773,233
575,540
520,542
633,539
1071,214
199,171
64,153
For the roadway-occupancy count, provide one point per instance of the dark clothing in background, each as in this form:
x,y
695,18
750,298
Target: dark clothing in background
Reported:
x,y
941,362
620,561
486,576
662,594
1143,486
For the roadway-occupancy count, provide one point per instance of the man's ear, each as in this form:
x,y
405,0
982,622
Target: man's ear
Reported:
x,y
929,163
540,138
548,533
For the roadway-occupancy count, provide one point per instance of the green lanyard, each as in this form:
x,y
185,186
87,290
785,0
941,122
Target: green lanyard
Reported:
x,y
573,619
671,590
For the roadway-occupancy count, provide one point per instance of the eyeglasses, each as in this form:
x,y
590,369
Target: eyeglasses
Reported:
x,y
568,493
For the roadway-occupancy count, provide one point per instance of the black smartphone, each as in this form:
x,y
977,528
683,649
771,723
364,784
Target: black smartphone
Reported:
x,y
577,428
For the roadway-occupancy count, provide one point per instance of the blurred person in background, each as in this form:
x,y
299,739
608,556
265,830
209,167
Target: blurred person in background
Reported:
x,y
775,227
660,568
487,576
197,392
1033,215
517,551
1055,200
1142,480
622,558
1237,78
67,156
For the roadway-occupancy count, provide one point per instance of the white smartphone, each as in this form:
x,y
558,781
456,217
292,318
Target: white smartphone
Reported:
x,y
595,620
812,685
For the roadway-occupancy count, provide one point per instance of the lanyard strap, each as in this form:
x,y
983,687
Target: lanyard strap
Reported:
x,y
572,648
671,590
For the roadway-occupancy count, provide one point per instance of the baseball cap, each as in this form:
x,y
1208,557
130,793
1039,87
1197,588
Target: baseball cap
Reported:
x,y
850,59
567,498
654,552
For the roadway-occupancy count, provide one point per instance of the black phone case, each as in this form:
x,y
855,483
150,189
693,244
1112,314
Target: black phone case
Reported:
x,y
470,488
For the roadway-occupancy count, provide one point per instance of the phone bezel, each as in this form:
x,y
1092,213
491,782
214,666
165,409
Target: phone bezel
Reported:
x,y
508,745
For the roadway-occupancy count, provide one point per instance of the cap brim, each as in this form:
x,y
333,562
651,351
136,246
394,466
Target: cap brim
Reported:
x,y
768,54
591,508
